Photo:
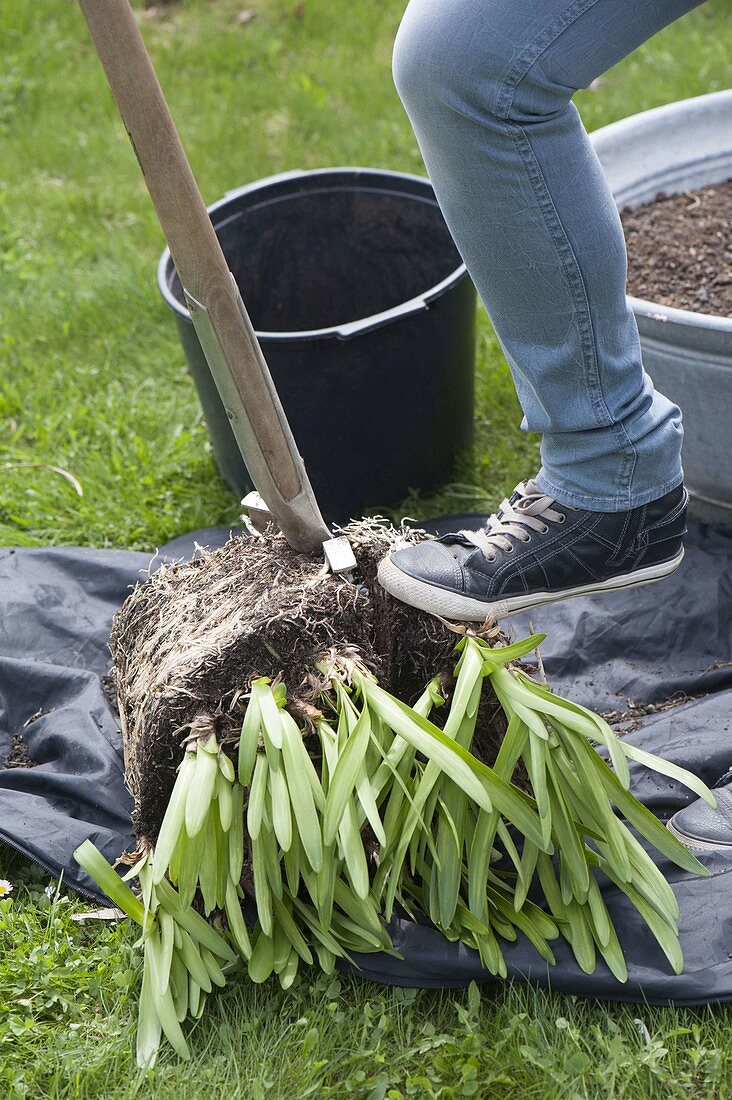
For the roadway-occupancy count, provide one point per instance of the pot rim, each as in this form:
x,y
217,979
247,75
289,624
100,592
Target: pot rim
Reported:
x,y
417,304
656,311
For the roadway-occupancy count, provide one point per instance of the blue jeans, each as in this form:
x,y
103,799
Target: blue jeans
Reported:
x,y
487,86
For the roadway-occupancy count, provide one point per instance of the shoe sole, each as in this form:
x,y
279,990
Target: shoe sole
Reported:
x,y
453,605
696,845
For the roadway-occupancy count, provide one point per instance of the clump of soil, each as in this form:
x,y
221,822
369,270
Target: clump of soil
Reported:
x,y
629,720
680,250
19,757
188,642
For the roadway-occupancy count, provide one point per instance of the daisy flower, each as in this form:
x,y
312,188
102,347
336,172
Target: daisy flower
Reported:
x,y
5,888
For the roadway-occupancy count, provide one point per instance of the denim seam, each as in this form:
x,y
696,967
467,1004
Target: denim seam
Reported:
x,y
533,51
571,270
573,273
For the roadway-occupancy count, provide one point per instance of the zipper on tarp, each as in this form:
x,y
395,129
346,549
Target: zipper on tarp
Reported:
x,y
54,872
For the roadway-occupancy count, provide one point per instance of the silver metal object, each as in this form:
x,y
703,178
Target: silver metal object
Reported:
x,y
258,515
338,553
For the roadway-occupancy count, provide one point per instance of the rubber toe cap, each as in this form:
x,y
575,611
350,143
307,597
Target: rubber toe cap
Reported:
x,y
700,824
430,561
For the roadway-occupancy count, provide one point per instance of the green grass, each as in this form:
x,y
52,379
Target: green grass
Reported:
x,y
67,1015
93,380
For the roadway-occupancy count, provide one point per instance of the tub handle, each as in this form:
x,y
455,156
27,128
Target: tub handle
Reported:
x,y
367,324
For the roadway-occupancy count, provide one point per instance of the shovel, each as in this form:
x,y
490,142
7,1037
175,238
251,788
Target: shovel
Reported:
x,y
222,323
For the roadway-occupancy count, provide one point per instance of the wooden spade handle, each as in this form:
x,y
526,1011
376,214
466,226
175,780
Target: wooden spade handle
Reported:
x,y
227,336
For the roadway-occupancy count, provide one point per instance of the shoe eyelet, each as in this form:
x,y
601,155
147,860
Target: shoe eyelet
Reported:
x,y
510,549
561,517
544,529
526,538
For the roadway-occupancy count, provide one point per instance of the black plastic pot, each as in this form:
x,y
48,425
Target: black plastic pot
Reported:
x,y
366,317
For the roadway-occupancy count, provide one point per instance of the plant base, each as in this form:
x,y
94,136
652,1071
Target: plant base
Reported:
x,y
188,643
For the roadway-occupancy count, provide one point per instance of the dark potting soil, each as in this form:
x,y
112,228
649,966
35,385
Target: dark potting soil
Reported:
x,y
631,719
18,757
680,250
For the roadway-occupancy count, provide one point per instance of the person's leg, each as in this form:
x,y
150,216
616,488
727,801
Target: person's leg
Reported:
x,y
487,85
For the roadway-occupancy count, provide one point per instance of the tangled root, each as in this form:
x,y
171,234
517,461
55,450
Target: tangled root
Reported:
x,y
187,643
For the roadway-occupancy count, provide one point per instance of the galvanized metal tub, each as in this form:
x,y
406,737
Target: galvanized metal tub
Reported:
x,y
688,355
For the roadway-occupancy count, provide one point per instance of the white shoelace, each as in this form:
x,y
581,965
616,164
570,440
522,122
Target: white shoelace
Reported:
x,y
532,509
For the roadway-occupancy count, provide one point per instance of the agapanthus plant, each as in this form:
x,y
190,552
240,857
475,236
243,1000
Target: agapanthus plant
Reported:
x,y
297,842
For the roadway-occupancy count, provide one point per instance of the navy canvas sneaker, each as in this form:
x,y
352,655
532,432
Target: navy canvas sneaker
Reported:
x,y
703,829
536,550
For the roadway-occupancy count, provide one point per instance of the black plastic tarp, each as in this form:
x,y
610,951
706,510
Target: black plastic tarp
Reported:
x,y
622,652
